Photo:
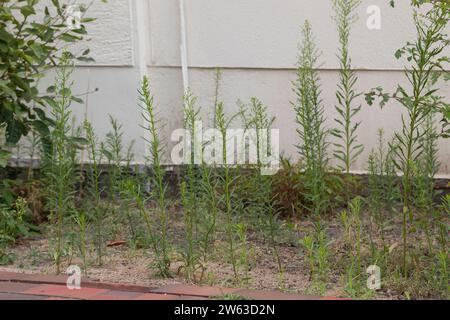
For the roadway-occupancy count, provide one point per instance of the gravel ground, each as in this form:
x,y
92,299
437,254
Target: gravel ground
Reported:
x,y
123,264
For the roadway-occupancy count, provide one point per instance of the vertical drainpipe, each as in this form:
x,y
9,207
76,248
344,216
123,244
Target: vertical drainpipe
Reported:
x,y
141,34
183,48
140,10
184,65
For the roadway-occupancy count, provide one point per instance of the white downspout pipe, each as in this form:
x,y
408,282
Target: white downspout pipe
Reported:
x,y
141,11
185,73
183,48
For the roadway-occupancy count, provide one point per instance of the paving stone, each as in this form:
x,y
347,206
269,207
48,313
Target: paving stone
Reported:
x,y
117,295
115,286
18,296
63,291
15,287
62,279
184,297
33,278
334,298
273,295
6,276
155,296
194,290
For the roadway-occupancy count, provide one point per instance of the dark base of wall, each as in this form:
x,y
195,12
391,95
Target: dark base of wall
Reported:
x,y
173,175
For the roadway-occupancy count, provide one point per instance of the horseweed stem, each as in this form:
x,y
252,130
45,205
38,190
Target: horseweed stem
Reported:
x,y
161,242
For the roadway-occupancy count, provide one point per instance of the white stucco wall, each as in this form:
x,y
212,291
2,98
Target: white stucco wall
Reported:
x,y
113,40
265,33
255,44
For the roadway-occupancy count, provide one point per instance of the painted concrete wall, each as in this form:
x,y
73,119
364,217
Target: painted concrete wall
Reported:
x,y
114,43
255,44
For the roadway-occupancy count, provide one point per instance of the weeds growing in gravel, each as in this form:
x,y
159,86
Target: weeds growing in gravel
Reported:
x,y
209,205
227,180
81,221
263,206
424,55
253,215
189,188
58,163
317,248
161,242
113,152
95,158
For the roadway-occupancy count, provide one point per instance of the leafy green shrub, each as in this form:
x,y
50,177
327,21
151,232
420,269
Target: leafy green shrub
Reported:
x,y
288,187
29,47
12,225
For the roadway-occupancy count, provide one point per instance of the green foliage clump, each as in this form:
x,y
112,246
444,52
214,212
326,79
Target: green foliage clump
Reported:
x,y
28,48
13,224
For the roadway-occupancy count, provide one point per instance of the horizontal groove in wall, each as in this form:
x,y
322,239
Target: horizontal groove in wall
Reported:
x,y
269,69
129,66
98,66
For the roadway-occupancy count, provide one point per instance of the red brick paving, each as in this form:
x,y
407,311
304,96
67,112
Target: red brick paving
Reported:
x,y
33,278
17,296
154,296
202,291
17,286
183,297
118,295
61,280
273,295
62,291
55,298
334,298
